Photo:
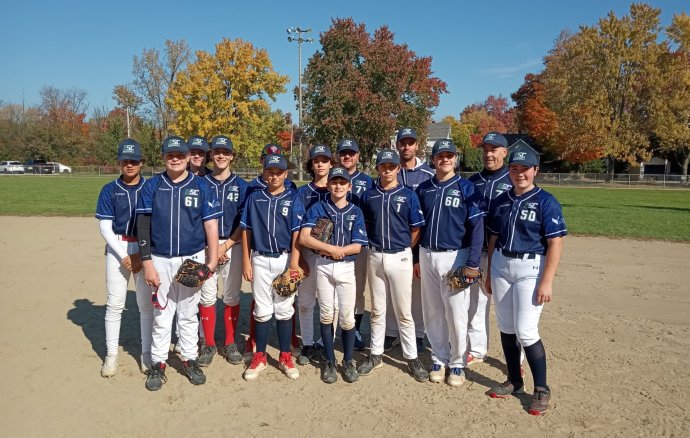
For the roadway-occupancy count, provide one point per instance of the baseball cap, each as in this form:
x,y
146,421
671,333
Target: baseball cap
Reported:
x,y
320,150
387,156
198,142
443,145
406,133
128,149
339,172
348,145
275,160
523,154
271,149
495,139
222,142
174,144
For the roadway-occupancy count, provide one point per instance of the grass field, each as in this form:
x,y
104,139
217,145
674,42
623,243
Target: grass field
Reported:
x,y
634,213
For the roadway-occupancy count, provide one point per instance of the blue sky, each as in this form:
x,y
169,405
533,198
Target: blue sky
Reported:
x,y
479,49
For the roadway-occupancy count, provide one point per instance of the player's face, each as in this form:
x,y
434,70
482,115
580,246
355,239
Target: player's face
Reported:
x,y
493,157
339,187
222,158
388,172
130,168
407,148
274,177
445,161
321,165
197,157
522,177
176,161
348,159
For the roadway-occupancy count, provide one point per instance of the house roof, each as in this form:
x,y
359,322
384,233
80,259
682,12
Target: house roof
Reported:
x,y
438,131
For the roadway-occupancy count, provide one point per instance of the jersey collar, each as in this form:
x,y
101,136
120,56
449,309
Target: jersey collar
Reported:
x,y
512,194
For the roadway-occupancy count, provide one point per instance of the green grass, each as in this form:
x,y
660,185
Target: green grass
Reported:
x,y
622,213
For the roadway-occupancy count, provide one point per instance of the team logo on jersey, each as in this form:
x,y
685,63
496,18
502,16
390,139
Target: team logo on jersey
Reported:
x,y
454,192
503,187
351,217
400,199
360,183
192,192
234,189
286,202
532,205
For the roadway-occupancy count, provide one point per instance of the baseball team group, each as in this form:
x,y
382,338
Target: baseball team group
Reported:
x,y
403,233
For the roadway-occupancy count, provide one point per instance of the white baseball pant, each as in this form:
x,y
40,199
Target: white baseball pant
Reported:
x,y
175,298
336,289
267,301
116,282
478,328
230,275
390,281
417,312
445,309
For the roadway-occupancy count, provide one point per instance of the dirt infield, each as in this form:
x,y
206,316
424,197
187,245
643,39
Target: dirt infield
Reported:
x,y
615,337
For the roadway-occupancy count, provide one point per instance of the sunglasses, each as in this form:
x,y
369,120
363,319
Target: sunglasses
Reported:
x,y
348,153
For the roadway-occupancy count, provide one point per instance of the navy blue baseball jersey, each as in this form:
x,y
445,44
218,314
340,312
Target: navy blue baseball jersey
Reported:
x,y
361,182
178,212
524,223
118,202
310,194
348,223
389,215
272,220
231,193
490,185
259,184
412,178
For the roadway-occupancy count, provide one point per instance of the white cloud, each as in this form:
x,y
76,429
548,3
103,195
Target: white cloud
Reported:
x,y
508,71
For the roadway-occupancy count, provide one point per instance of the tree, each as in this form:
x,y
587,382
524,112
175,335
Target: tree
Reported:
x,y
63,134
493,114
470,157
364,87
127,99
153,77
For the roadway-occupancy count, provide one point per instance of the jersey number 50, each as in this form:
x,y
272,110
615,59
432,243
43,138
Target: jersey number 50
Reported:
x,y
529,215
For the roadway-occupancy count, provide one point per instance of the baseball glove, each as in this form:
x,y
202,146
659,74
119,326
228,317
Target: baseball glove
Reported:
x,y
287,282
464,277
192,274
136,262
323,230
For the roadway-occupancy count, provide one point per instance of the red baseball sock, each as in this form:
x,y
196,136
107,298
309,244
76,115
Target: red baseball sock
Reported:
x,y
231,315
208,321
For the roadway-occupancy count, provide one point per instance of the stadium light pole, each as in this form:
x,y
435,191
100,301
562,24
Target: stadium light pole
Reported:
x,y
295,35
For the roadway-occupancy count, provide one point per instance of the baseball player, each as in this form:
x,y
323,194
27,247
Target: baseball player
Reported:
x,y
335,269
115,212
318,165
258,182
176,220
526,230
198,151
231,191
270,223
452,237
413,172
348,156
489,183
393,218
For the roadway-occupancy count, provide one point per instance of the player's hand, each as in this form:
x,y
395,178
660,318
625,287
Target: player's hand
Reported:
x,y
248,273
136,263
127,263
212,265
544,293
416,270
151,275
336,252
223,259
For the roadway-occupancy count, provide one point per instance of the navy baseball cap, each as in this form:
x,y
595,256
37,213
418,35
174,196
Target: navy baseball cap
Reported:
x,y
339,172
129,149
198,142
275,160
523,154
406,133
443,145
174,144
222,142
320,150
348,145
495,139
271,149
387,156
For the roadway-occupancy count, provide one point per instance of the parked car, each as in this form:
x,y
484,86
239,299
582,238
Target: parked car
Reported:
x,y
38,167
11,167
60,168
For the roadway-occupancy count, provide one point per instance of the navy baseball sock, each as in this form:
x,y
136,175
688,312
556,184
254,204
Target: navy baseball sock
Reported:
x,y
536,357
284,334
511,350
327,339
262,329
348,343
358,320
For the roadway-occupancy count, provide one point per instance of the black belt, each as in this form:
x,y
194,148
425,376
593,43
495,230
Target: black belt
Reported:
x,y
388,251
274,255
441,250
517,255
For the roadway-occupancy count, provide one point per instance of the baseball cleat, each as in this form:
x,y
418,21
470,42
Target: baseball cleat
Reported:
x,y
156,378
437,373
350,374
145,363
371,362
471,359
306,355
540,401
193,372
329,375
206,355
286,366
456,377
257,365
416,368
505,389
389,342
232,354
359,341
109,368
